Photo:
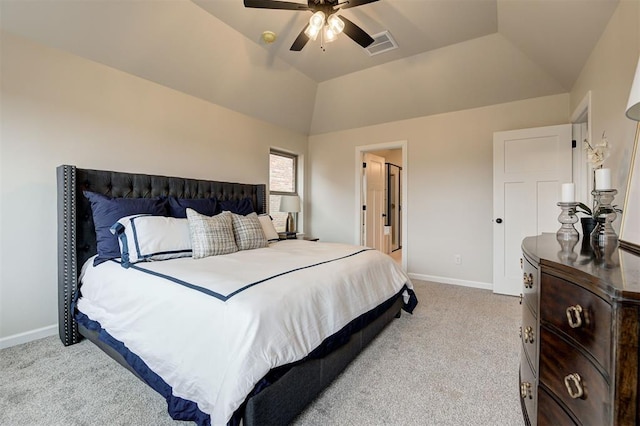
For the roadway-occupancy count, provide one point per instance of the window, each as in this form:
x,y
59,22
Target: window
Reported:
x,y
282,181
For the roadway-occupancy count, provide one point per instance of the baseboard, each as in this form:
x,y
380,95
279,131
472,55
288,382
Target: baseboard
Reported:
x,y
454,281
28,336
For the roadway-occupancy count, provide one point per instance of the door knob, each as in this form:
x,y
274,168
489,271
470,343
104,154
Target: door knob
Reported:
x,y
498,220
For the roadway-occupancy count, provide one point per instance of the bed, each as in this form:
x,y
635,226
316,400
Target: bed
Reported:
x,y
303,369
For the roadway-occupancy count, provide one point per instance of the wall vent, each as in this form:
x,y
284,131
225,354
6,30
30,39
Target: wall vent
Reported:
x,y
382,42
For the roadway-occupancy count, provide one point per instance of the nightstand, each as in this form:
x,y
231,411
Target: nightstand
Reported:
x,y
287,235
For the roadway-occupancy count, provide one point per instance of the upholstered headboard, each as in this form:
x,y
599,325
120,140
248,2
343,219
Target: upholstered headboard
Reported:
x,y
76,233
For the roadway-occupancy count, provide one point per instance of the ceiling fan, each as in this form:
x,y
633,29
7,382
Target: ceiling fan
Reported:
x,y
324,21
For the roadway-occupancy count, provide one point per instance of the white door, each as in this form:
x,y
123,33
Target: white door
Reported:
x,y
529,168
373,185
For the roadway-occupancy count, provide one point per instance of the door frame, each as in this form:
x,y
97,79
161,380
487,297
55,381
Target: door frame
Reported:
x,y
581,175
372,179
360,150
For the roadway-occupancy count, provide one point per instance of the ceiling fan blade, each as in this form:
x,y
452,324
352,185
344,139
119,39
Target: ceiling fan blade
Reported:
x,y
356,33
300,41
353,3
275,4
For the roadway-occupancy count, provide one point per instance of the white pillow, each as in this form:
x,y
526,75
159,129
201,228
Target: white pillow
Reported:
x,y
146,238
267,227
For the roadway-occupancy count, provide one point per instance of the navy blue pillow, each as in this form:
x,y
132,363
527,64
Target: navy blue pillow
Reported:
x,y
107,211
243,206
178,206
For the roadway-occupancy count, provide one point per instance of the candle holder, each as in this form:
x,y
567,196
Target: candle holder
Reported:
x,y
567,218
604,234
567,253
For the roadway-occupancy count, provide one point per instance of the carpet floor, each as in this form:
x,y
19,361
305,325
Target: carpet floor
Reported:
x,y
453,362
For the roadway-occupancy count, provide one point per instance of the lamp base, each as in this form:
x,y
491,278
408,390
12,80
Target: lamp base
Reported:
x,y
291,224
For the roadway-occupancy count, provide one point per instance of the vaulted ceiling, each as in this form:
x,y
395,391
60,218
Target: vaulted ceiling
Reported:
x,y
452,54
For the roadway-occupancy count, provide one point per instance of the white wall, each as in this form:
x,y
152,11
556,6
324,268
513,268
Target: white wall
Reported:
x,y
608,74
61,109
444,79
450,172
449,157
177,44
58,108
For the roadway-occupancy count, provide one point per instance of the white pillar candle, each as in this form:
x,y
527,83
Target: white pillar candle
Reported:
x,y
603,179
568,193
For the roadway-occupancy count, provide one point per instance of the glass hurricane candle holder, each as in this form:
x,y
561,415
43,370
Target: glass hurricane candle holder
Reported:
x,y
604,234
567,218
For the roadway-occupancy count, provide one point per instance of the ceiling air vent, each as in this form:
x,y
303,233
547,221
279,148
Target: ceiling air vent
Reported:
x,y
382,42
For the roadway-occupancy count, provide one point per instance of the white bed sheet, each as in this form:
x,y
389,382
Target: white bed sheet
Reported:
x,y
212,350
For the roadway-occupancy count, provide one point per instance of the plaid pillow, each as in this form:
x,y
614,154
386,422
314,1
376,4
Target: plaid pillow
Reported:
x,y
211,235
248,232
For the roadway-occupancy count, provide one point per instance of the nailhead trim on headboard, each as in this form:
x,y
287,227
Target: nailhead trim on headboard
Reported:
x,y
67,257
76,233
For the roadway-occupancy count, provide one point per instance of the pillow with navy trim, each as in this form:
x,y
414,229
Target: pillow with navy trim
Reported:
x,y
107,211
248,232
267,227
146,238
178,206
211,235
243,206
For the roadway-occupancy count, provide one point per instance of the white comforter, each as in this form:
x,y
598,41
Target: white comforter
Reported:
x,y
214,341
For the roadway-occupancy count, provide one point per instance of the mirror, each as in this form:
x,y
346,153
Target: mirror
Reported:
x,y
394,205
630,227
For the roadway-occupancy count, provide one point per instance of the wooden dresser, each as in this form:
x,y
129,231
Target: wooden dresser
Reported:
x,y
580,334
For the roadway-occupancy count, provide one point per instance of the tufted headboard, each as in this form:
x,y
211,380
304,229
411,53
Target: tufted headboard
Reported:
x,y
76,233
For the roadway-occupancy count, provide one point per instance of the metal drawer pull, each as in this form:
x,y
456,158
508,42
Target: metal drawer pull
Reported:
x,y
528,335
574,316
521,298
525,390
528,280
573,382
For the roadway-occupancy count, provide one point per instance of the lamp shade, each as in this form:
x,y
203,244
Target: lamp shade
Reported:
x,y
633,106
290,203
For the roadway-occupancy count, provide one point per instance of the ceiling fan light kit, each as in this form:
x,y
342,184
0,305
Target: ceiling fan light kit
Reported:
x,y
316,22
335,23
330,26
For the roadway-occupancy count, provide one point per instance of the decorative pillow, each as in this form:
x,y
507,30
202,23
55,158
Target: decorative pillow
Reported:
x,y
146,238
248,232
107,211
243,206
267,227
178,206
211,236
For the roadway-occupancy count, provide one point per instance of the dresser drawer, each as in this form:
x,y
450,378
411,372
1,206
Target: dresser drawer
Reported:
x,y
550,413
530,285
529,334
528,389
569,374
579,314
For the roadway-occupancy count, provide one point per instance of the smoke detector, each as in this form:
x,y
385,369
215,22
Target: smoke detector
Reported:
x,y
268,37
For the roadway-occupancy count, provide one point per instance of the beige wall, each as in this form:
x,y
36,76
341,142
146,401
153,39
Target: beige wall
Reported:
x,y
608,74
447,82
57,108
60,109
449,182
450,166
